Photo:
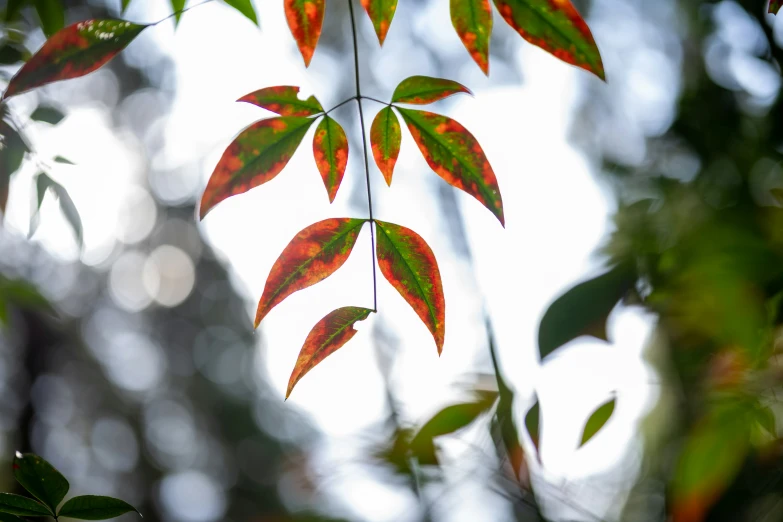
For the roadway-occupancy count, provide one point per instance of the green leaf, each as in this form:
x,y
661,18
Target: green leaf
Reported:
x,y
456,156
13,8
125,4
421,90
472,19
407,262
385,140
6,517
66,161
305,19
52,15
19,505
41,479
75,51
326,337
775,5
12,53
284,100
24,295
597,421
381,13
583,309
330,149
256,156
43,183
94,507
533,425
245,7
12,152
556,27
47,114
313,254
176,7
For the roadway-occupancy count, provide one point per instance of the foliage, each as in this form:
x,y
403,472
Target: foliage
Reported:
x,y
49,487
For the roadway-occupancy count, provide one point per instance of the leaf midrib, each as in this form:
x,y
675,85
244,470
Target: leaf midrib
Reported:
x,y
341,328
296,134
430,306
296,102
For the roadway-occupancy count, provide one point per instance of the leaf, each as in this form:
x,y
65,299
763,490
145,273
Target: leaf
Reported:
x,y
456,156
125,4
775,5
65,161
556,27
533,425
381,13
284,100
448,420
313,254
385,140
583,310
11,53
330,149
407,262
43,183
245,7
256,156
19,505
472,19
94,507
51,14
5,517
176,7
12,153
305,18
72,52
326,337
597,421
41,479
13,8
421,90
47,114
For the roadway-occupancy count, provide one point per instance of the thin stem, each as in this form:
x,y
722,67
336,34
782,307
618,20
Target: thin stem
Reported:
x,y
352,98
377,101
364,150
177,13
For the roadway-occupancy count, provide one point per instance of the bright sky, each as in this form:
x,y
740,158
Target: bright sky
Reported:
x,y
556,216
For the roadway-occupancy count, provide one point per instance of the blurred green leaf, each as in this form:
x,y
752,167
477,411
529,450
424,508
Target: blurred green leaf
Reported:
x,y
597,421
47,114
52,15
176,7
11,53
43,183
41,479
13,8
94,507
533,425
584,309
66,161
6,517
245,7
19,505
125,4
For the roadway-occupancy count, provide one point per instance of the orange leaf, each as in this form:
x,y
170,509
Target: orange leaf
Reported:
x,y
381,13
472,19
326,337
313,255
330,148
305,18
385,139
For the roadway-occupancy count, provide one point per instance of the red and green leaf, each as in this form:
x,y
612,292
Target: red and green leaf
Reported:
x,y
556,27
421,90
775,5
72,52
385,139
326,337
305,18
381,13
456,156
472,19
283,100
313,255
330,149
533,425
256,156
407,262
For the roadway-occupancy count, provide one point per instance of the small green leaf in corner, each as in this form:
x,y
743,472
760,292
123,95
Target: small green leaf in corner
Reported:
x,y
597,421
66,161
94,507
533,425
41,479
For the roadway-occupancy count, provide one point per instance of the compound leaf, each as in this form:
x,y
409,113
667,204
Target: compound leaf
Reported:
x,y
381,13
41,479
456,156
245,7
597,421
421,90
94,507
330,149
305,18
583,309
314,254
72,52
283,100
407,262
472,19
326,337
256,156
385,140
556,27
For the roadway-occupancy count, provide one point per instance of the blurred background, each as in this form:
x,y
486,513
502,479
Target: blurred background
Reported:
x,y
128,357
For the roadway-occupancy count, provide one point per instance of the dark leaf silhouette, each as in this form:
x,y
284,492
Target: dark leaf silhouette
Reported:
x,y
41,479
23,506
94,507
